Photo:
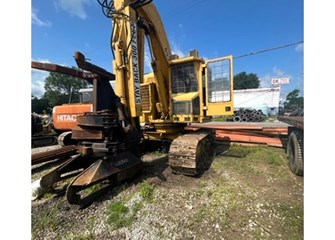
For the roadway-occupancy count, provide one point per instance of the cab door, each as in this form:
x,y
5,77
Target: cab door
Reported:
x,y
219,86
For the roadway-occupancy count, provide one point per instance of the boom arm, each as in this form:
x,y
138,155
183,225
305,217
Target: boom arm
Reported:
x,y
96,75
132,20
50,67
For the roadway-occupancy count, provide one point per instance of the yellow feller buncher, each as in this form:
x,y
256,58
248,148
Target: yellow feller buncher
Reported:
x,y
144,108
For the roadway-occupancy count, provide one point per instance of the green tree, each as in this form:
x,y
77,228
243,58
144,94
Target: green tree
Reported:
x,y
246,81
39,105
61,88
293,101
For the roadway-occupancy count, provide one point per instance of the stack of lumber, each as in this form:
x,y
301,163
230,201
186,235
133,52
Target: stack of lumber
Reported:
x,y
250,134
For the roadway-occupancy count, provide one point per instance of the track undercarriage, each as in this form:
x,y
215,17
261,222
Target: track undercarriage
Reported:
x,y
189,151
189,154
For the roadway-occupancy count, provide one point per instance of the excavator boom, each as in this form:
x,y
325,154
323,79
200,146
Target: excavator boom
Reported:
x,y
179,91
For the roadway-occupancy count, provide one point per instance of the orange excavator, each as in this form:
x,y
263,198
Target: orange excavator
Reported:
x,y
64,116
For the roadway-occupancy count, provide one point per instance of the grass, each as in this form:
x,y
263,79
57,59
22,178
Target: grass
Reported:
x,y
241,174
250,159
47,219
146,191
223,201
117,215
234,199
294,214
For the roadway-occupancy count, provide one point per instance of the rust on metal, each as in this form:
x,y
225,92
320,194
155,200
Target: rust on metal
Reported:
x,y
189,153
64,70
83,64
98,159
269,134
97,119
80,133
53,154
107,144
116,169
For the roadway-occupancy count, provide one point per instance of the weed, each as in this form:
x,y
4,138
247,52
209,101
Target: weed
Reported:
x,y
47,195
258,233
242,222
120,215
239,151
146,191
137,207
227,196
293,220
200,215
47,219
117,215
274,160
203,183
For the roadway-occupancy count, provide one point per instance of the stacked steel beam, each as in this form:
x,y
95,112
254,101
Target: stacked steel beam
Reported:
x,y
248,134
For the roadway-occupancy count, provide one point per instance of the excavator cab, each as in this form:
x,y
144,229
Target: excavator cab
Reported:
x,y
201,89
185,75
86,95
198,90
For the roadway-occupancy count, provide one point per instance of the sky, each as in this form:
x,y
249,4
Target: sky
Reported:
x,y
215,28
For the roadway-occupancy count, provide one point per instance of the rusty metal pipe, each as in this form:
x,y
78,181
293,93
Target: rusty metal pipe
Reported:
x,y
53,154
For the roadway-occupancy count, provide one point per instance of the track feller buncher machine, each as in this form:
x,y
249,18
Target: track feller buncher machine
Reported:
x,y
144,108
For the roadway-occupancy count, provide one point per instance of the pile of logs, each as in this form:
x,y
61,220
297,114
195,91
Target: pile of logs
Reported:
x,y
249,115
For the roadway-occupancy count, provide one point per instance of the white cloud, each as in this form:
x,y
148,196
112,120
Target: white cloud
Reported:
x,y
278,72
74,7
37,80
180,26
299,47
37,21
265,81
176,49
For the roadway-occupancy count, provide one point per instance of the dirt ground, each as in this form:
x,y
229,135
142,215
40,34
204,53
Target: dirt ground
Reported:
x,y
247,193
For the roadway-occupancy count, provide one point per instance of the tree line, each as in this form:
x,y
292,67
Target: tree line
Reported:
x,y
61,88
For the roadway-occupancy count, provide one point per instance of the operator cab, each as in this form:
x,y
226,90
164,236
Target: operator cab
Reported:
x,y
199,88
86,95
